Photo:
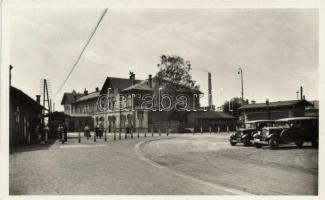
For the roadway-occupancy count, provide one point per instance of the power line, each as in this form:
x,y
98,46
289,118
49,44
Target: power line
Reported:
x,y
79,57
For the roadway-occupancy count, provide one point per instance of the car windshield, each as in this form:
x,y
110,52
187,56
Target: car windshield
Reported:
x,y
250,125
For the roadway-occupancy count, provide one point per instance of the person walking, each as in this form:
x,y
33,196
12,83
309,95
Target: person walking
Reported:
x,y
87,132
65,132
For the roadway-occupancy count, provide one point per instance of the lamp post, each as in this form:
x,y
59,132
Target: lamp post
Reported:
x,y
240,71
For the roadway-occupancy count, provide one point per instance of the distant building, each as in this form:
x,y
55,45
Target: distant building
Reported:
x,y
217,121
25,116
313,111
274,110
130,95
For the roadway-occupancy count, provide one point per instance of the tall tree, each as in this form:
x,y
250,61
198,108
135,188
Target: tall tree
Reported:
x,y
232,106
175,70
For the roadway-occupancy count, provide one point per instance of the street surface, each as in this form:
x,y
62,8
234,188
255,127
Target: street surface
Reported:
x,y
180,164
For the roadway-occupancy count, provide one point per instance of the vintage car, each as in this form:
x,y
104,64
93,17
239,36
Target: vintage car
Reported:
x,y
296,130
245,135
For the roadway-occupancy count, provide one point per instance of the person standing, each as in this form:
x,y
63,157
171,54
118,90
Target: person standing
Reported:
x,y
65,132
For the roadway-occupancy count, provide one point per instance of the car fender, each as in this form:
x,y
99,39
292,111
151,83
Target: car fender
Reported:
x,y
245,136
269,136
232,137
256,134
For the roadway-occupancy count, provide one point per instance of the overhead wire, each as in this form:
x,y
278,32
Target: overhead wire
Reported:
x,y
81,53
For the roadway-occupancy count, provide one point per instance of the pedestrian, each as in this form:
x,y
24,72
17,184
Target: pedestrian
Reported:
x,y
46,132
101,130
38,133
96,130
59,132
87,132
65,132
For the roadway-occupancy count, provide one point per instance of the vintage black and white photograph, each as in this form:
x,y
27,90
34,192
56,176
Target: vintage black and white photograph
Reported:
x,y
162,101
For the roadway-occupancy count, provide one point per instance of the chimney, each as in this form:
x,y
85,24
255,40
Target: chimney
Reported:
x,y
267,102
132,78
210,91
150,80
97,89
38,99
301,93
86,91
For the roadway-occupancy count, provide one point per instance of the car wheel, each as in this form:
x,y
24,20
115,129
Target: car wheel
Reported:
x,y
247,142
314,144
299,144
274,143
233,143
258,145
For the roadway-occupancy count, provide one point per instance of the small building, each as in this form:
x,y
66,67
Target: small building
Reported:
x,y
274,110
217,121
313,111
25,115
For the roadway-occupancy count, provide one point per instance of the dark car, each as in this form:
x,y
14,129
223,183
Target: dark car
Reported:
x,y
296,130
245,135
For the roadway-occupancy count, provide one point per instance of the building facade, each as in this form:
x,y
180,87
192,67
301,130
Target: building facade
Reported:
x,y
25,115
138,104
274,110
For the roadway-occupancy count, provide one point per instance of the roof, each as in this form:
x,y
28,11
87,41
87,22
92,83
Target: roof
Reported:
x,y
257,121
296,119
143,86
181,88
215,115
70,97
276,104
89,96
315,104
118,83
25,97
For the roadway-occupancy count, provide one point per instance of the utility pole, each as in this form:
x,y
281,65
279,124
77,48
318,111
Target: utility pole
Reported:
x,y
10,68
242,84
10,108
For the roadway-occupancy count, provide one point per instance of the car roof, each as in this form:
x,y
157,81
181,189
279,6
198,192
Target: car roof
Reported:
x,y
261,120
244,129
272,127
296,119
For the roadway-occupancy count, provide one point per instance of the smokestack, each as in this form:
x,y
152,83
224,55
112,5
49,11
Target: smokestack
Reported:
x,y
267,102
38,99
132,78
210,90
150,80
86,91
301,94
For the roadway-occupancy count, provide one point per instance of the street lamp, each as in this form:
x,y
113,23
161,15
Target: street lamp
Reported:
x,y
242,84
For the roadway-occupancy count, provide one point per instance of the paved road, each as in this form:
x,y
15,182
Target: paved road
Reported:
x,y
178,164
289,170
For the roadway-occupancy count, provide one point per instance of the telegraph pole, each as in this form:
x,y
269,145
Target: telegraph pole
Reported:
x,y
10,108
242,84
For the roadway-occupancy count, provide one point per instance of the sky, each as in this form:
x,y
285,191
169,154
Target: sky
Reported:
x,y
276,48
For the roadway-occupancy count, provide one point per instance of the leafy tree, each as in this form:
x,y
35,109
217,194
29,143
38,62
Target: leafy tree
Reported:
x,y
175,71
231,107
